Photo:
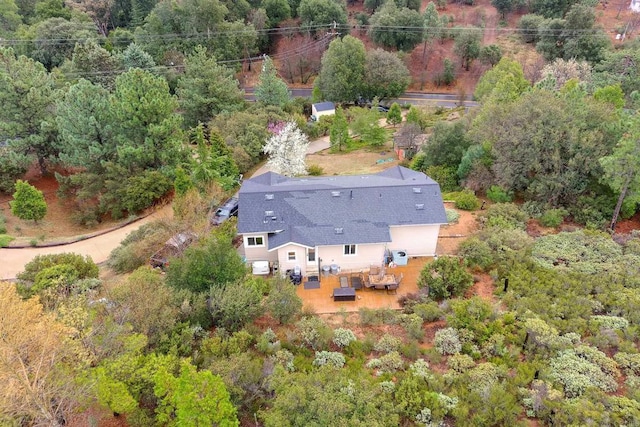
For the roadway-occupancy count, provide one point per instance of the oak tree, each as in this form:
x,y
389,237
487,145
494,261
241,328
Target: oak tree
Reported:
x,y
341,78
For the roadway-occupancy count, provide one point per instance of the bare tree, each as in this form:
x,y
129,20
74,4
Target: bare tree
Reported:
x,y
98,10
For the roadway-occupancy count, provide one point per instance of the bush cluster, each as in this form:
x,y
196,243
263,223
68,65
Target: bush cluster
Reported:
x,y
505,216
332,358
499,195
387,343
343,337
313,332
285,359
582,368
465,199
452,215
553,217
447,341
611,322
389,363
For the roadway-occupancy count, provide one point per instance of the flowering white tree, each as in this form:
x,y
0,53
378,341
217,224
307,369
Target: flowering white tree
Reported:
x,y
287,149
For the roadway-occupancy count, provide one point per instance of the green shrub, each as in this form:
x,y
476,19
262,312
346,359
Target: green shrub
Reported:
x,y
387,343
3,224
629,362
315,170
529,26
583,368
380,316
464,200
5,239
420,369
553,217
284,358
84,266
594,212
136,193
389,363
582,251
447,341
412,323
460,363
476,253
498,195
428,311
611,322
268,342
313,332
452,215
134,251
444,278
411,349
505,215
343,337
332,358
532,208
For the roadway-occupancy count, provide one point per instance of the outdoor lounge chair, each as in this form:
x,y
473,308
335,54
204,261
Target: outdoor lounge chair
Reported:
x,y
367,283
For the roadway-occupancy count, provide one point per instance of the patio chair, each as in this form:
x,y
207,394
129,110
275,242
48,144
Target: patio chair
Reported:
x,y
366,282
394,286
374,269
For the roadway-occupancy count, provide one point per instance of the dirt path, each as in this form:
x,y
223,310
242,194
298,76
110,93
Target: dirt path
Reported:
x,y
12,261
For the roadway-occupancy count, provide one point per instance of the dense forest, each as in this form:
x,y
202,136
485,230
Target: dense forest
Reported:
x,y
130,102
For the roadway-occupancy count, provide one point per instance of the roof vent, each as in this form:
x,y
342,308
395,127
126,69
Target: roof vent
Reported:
x,y
339,230
268,196
417,190
420,206
268,213
335,194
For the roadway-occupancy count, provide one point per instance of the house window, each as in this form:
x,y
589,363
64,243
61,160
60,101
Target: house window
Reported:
x,y
255,241
291,256
349,249
311,255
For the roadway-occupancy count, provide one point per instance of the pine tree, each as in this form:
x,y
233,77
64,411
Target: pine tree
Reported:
x,y
339,132
394,116
271,90
28,202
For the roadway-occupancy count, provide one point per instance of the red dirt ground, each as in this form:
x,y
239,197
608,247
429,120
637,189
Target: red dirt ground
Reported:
x,y
56,223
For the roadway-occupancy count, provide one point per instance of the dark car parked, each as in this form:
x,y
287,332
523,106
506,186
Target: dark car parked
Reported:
x,y
225,211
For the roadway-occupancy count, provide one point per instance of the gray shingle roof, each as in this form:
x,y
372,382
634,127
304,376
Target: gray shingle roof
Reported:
x,y
324,106
336,210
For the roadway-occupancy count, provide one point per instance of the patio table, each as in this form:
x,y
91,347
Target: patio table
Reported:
x,y
344,294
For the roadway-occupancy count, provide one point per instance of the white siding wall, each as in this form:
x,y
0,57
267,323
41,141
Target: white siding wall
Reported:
x,y
301,258
325,113
417,240
364,257
258,253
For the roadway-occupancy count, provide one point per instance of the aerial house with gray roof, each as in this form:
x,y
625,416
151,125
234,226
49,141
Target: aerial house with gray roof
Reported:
x,y
348,221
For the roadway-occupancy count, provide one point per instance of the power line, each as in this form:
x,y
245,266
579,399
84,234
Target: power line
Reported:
x,y
289,30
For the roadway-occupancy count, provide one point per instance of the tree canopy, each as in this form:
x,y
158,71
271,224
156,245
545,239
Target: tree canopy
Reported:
x,y
341,77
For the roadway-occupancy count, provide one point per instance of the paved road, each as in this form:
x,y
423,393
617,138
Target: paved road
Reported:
x,y
12,261
415,98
